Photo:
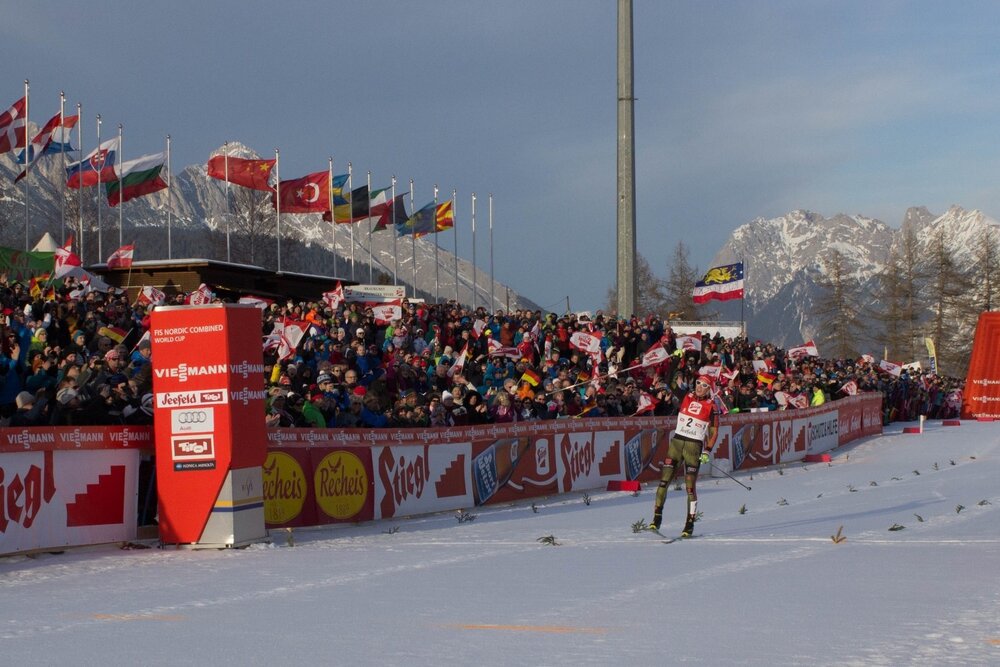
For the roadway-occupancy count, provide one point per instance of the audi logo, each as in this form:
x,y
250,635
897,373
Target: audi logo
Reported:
x,y
192,417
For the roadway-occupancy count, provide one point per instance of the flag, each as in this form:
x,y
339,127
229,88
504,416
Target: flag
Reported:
x,y
459,365
422,221
292,332
386,312
721,283
381,211
762,365
13,126
116,334
136,178
121,258
334,297
61,139
655,355
149,295
352,207
495,349
585,342
866,359
200,296
647,403
531,377
850,388
444,219
688,343
478,327
253,174
66,259
146,336
714,372
766,378
97,167
39,146
929,342
805,350
309,194
889,367
258,301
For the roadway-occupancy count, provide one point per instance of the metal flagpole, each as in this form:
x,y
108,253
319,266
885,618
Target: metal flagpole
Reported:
x,y
473,252
413,244
277,203
121,190
229,213
97,196
79,190
492,282
333,217
350,211
395,257
27,145
454,230
437,264
371,263
62,154
170,182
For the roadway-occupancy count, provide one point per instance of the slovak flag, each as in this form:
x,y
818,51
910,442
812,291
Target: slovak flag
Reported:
x,y
98,167
66,259
121,258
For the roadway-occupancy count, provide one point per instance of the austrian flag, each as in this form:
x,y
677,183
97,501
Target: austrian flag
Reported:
x,y
585,342
121,258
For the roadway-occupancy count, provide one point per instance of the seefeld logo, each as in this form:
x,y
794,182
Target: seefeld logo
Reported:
x,y
341,483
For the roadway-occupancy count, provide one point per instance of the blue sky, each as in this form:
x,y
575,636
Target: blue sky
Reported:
x,y
744,109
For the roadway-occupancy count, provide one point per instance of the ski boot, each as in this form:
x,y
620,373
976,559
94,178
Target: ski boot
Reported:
x,y
688,527
657,520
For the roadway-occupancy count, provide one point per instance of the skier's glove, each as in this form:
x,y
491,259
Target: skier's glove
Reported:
x,y
703,458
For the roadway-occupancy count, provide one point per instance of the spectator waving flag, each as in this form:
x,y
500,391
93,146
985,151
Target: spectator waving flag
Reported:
x,y
655,355
689,343
200,296
805,350
259,301
647,403
891,368
385,313
66,259
292,332
334,297
121,258
850,388
721,283
459,365
585,342
150,296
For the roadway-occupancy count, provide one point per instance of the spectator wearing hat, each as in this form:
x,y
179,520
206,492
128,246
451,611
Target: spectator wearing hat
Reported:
x,y
31,410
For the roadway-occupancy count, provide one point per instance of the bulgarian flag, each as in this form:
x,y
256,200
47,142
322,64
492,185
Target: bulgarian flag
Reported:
x,y
136,178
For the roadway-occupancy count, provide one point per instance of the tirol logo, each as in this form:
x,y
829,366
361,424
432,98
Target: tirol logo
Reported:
x,y
577,458
193,447
402,479
341,484
284,488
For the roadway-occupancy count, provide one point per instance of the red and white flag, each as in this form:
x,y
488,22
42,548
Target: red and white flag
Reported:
x,y
762,365
495,349
40,143
655,355
689,343
385,313
66,259
460,362
647,403
805,350
866,358
13,126
334,297
585,342
892,369
121,258
149,295
850,388
478,327
200,296
711,371
259,301
292,332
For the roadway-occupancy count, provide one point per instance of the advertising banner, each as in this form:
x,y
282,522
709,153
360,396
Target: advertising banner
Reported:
x,y
54,499
981,396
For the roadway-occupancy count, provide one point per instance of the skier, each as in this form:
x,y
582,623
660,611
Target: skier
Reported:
x,y
697,427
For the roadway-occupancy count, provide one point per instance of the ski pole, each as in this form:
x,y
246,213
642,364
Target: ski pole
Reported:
x,y
733,478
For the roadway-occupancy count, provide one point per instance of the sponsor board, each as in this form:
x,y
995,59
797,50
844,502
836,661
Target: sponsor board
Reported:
x,y
184,399
197,420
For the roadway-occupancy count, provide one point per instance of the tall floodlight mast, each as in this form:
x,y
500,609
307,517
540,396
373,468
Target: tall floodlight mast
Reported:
x,y
626,164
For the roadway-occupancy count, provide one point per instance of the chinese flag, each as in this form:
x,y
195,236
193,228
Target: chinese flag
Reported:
x,y
253,174
309,194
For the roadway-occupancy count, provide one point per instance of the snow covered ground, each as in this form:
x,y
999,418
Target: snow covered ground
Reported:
x,y
761,583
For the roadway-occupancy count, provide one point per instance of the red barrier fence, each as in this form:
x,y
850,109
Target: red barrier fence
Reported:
x,y
320,476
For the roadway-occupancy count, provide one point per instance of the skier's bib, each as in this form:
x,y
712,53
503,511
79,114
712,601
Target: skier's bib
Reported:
x,y
693,420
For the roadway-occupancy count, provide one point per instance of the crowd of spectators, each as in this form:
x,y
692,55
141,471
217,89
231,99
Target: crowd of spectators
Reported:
x,y
76,357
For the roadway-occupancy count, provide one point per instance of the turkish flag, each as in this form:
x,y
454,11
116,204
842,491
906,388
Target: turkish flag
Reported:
x,y
253,174
309,194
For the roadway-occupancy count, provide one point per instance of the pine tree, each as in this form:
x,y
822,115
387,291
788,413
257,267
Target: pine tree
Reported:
x,y
650,297
838,309
888,310
987,268
950,302
677,290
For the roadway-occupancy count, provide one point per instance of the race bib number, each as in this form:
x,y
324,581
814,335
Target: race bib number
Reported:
x,y
691,427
